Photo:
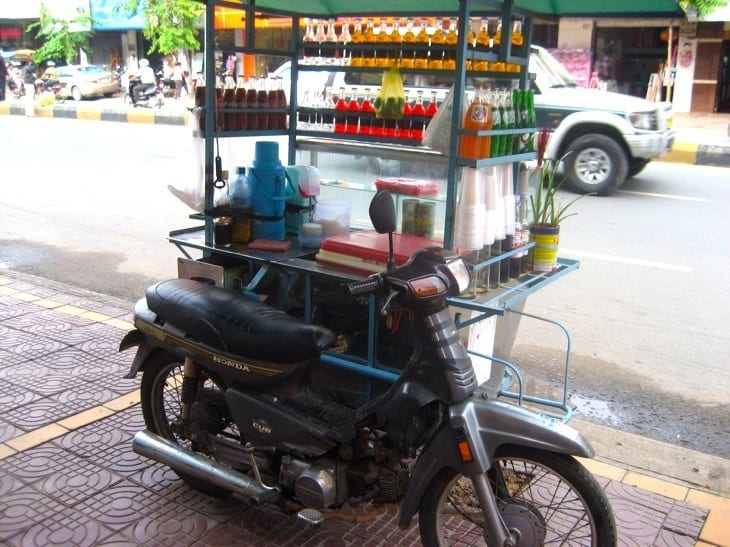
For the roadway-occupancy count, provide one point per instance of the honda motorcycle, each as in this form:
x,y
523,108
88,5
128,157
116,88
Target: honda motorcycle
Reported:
x,y
152,97
231,404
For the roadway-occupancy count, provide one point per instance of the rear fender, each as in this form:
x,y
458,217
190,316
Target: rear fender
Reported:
x,y
486,425
144,350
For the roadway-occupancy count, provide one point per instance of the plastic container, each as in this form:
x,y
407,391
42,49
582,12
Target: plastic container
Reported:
x,y
333,215
239,191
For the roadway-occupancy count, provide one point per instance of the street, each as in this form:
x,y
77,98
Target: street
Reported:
x,y
87,204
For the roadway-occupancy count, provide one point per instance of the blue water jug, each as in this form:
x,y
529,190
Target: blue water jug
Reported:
x,y
268,180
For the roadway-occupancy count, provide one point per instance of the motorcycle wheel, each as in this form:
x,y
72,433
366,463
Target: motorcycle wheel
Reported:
x,y
161,393
545,498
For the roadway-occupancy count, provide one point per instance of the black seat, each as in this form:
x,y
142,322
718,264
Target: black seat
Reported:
x,y
235,323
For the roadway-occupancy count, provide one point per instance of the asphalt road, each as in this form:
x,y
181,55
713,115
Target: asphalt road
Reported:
x,y
86,203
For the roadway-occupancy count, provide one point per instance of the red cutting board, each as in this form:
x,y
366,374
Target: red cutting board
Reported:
x,y
372,246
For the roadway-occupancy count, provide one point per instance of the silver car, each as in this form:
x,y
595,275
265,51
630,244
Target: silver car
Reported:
x,y
83,81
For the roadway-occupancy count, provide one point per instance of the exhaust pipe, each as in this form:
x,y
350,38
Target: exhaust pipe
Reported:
x,y
157,448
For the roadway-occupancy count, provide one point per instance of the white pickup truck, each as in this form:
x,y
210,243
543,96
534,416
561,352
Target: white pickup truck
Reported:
x,y
602,137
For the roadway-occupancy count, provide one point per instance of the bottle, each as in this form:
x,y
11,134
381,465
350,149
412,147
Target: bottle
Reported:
x,y
478,117
511,121
483,41
524,122
252,119
369,39
356,51
310,43
330,50
345,38
281,102
353,113
515,261
524,219
495,148
230,121
423,40
432,107
517,38
319,37
485,141
367,113
450,46
341,113
241,118
408,55
531,120
382,38
239,192
438,39
262,103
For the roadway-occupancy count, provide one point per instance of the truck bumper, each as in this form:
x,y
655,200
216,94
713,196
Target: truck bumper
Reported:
x,y
650,145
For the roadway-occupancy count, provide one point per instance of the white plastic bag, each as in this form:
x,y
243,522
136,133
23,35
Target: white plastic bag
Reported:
x,y
191,191
438,131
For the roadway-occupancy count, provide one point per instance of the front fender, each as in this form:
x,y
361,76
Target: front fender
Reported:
x,y
487,424
610,124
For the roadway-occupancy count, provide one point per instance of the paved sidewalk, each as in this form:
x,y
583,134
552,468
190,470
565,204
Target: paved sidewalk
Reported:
x,y
68,475
702,139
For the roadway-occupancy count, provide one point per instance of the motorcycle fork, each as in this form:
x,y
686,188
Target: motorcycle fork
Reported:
x,y
191,374
495,530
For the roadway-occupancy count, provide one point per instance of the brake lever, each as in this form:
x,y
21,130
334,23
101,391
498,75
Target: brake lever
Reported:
x,y
386,305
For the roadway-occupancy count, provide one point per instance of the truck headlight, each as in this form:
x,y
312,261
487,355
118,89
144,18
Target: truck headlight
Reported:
x,y
645,121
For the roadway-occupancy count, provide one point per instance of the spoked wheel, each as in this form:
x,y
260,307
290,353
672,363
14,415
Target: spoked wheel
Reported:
x,y
543,498
161,392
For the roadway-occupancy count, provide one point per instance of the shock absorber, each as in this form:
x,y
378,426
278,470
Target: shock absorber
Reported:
x,y
191,373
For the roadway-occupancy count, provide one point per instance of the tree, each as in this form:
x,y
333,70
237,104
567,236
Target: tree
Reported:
x,y
170,23
703,7
62,38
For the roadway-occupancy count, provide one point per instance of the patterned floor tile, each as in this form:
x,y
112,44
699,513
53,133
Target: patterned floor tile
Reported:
x,y
13,396
85,333
22,509
9,431
87,441
26,344
68,527
39,412
69,359
107,308
50,323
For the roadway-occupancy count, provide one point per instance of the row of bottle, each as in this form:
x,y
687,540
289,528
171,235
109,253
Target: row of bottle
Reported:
x,y
258,96
438,40
353,113
498,110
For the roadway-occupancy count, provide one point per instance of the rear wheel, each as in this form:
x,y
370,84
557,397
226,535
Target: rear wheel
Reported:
x,y
595,163
544,499
161,392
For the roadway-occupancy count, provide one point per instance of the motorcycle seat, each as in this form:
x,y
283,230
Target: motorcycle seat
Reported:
x,y
236,323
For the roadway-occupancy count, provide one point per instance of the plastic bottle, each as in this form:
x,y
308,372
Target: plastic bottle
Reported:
x,y
239,191
478,117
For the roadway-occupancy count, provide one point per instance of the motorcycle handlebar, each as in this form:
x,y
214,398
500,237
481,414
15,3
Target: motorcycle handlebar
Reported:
x,y
370,285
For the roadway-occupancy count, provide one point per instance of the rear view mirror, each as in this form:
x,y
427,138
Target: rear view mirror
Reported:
x,y
382,212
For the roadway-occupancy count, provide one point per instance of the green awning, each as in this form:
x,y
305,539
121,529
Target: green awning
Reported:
x,y
586,8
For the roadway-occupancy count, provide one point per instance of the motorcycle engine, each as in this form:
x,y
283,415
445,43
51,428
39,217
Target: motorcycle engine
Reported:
x,y
387,482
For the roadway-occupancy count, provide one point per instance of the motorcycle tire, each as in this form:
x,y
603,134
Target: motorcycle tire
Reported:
x,y
545,497
160,390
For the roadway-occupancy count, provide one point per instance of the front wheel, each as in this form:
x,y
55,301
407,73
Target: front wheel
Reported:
x,y
544,498
595,163
76,94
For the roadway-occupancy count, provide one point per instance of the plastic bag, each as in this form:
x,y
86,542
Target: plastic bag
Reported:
x,y
192,191
391,99
437,134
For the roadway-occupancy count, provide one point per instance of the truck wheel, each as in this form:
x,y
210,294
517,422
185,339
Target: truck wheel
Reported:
x,y
595,163
636,166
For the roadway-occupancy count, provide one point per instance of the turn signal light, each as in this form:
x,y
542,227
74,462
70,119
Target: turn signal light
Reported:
x,y
465,451
427,286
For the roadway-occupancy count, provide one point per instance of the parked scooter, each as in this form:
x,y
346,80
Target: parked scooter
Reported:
x,y
230,404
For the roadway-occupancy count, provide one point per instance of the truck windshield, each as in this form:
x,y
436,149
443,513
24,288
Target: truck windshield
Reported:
x,y
549,73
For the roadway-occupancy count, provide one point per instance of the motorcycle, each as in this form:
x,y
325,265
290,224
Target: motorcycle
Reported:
x,y
230,403
152,97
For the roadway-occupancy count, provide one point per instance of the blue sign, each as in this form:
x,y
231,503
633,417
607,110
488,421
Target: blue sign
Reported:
x,y
114,15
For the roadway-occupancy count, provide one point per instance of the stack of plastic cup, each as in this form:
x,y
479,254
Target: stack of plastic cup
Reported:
x,y
490,204
470,211
508,197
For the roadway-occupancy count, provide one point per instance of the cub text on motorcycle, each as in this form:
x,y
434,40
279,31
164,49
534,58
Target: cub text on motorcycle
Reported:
x,y
234,402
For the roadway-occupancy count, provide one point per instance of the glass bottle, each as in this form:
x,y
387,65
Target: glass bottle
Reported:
x,y
382,38
432,106
408,54
353,113
240,100
367,113
356,51
328,106
438,39
319,37
230,121
483,41
310,43
330,51
341,113
252,119
511,120
423,40
517,38
345,38
495,149
262,103
370,40
450,49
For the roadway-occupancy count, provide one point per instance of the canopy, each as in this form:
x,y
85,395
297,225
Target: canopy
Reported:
x,y
563,8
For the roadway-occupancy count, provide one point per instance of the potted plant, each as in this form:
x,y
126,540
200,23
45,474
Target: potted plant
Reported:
x,y
547,214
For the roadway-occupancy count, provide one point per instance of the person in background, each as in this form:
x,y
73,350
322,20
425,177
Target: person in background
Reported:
x,y
146,78
50,75
3,76
29,78
177,78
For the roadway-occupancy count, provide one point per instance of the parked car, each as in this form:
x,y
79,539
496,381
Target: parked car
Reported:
x,y
604,137
84,81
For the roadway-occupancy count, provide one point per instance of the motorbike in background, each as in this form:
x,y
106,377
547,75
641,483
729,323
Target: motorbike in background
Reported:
x,y
152,97
231,403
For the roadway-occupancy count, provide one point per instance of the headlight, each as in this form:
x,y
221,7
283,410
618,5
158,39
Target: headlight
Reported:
x,y
643,120
460,272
